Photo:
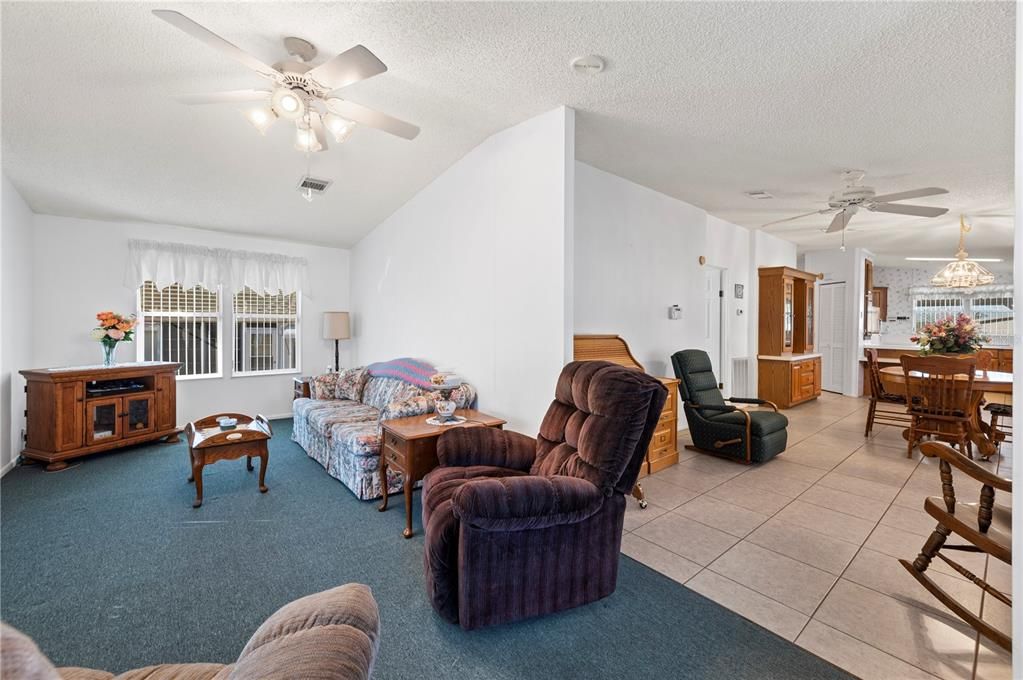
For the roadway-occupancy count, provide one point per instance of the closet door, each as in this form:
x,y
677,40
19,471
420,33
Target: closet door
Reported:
x,y
831,336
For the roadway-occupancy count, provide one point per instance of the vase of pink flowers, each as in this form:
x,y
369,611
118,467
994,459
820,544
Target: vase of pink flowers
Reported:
x,y
112,329
950,335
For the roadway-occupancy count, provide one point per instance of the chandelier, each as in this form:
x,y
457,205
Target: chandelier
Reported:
x,y
962,272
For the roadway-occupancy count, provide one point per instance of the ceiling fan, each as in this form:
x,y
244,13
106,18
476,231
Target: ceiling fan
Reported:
x,y
847,201
298,91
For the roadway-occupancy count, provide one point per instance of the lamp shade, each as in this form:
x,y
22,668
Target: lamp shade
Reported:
x,y
336,326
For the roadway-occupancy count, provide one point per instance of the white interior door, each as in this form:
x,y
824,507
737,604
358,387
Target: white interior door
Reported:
x,y
712,305
831,335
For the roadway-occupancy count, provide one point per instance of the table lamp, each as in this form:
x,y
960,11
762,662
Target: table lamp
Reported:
x,y
336,327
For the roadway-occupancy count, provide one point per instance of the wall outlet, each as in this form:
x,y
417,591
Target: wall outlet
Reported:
x,y
674,312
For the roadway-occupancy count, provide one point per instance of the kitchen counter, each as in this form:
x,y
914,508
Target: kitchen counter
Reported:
x,y
787,357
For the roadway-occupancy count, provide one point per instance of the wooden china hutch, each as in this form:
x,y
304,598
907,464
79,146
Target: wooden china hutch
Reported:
x,y
788,368
77,411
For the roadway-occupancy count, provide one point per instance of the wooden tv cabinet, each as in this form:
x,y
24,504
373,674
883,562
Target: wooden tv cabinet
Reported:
x,y
76,411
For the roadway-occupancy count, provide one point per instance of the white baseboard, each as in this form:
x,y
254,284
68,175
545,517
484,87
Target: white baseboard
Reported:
x,y
289,414
7,468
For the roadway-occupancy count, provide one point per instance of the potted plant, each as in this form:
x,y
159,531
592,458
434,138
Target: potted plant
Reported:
x,y
950,335
112,329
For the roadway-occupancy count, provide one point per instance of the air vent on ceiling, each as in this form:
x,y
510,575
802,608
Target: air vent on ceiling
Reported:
x,y
758,195
314,184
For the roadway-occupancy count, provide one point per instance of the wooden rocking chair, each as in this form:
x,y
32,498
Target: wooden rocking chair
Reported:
x,y
986,526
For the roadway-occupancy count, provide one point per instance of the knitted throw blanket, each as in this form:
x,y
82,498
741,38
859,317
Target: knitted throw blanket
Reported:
x,y
413,371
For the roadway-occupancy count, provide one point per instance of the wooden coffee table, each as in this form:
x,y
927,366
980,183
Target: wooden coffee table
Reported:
x,y
207,443
410,445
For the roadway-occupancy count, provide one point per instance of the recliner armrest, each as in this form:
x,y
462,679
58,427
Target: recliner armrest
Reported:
x,y
467,446
751,400
718,408
521,503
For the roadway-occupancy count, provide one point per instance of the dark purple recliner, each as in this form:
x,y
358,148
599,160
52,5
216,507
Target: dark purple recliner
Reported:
x,y
519,527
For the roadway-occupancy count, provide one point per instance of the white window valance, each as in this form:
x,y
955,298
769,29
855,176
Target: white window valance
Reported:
x,y
189,265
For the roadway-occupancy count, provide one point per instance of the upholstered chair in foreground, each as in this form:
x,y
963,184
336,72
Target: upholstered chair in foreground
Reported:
x,y
722,429
519,527
333,634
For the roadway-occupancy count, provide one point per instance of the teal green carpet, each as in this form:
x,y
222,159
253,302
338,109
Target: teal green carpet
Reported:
x,y
107,565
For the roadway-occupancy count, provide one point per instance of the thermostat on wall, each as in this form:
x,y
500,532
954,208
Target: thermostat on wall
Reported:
x,y
674,312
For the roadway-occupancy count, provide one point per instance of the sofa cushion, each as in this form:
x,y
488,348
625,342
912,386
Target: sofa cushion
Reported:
x,y
323,386
331,413
350,605
21,658
380,392
178,671
440,556
350,383
357,438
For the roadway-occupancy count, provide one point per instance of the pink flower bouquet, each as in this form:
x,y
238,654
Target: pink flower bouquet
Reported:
x,y
951,335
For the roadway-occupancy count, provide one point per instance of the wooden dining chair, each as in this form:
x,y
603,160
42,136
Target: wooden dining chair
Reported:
x,y
885,407
939,397
985,525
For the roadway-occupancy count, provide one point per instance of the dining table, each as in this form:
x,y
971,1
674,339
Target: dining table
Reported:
x,y
981,434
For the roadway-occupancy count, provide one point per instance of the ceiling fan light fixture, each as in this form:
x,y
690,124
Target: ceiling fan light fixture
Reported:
x,y
287,103
341,128
305,140
962,272
261,117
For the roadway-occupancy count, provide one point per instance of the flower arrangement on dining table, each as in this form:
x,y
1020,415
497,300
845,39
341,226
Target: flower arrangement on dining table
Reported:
x,y
112,329
950,335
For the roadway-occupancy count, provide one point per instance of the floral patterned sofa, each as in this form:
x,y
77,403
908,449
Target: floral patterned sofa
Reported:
x,y
339,424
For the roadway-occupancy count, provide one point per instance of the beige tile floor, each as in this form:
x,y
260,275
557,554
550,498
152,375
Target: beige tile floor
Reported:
x,y
806,545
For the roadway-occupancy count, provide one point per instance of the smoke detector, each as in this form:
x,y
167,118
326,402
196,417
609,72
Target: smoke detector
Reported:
x,y
589,65
758,195
310,187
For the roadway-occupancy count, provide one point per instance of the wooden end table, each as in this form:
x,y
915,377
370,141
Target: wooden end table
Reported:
x,y
300,388
207,443
410,446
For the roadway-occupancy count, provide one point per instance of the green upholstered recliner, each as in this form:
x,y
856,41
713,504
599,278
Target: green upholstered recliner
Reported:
x,y
720,428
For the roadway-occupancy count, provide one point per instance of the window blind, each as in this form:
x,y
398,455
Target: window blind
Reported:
x,y
180,324
266,328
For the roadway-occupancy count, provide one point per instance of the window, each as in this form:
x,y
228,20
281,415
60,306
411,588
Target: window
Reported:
x,y
993,311
265,332
932,307
183,325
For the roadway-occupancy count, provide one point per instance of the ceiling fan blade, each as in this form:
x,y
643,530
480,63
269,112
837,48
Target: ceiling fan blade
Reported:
x,y
898,209
841,221
797,217
316,122
349,67
199,32
370,118
231,97
915,193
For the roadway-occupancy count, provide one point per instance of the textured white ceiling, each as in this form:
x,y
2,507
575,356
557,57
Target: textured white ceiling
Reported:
x,y
701,101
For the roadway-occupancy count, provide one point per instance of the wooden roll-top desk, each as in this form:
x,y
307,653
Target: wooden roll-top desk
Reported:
x,y
663,450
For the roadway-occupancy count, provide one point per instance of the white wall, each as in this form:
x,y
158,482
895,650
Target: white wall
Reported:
x,y
636,254
470,274
80,269
18,332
